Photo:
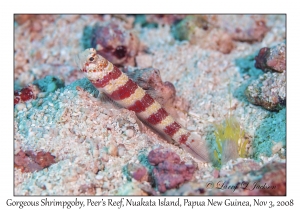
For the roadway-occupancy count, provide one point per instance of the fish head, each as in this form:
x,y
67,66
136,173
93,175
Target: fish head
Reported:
x,y
92,64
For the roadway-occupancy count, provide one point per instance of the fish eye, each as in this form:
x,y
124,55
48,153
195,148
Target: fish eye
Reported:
x,y
91,59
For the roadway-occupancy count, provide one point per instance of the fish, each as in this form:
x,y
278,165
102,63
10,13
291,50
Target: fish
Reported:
x,y
121,89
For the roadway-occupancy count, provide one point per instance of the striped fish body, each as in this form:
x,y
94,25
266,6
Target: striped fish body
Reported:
x,y
108,79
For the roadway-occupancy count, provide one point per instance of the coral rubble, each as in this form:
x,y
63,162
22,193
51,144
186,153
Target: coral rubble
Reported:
x,y
169,171
137,172
26,94
273,59
115,43
269,91
28,161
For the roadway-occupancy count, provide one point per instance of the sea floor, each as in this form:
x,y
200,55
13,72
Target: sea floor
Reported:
x,y
68,140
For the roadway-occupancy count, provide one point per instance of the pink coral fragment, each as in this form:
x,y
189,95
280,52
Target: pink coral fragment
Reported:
x,y
115,43
29,162
26,94
169,171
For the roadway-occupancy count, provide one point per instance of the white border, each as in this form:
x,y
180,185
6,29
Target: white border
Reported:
x,y
153,6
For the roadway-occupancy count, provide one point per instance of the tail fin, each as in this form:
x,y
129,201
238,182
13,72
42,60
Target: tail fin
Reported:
x,y
196,146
